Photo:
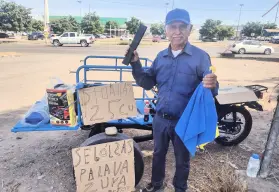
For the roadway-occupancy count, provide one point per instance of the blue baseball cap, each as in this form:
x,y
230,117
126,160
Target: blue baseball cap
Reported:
x,y
178,15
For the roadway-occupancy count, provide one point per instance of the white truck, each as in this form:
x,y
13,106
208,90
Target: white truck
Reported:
x,y
71,38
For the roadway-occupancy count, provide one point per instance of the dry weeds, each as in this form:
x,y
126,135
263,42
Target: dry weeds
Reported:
x,y
216,175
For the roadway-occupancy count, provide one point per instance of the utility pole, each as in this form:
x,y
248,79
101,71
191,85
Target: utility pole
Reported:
x,y
271,143
276,13
274,131
167,8
241,5
46,21
80,1
172,4
89,8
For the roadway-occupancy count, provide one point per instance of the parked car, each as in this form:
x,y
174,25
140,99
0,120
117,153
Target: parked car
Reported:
x,y
156,39
274,39
251,46
209,39
4,36
11,35
163,37
90,35
107,35
96,36
36,36
101,36
125,37
71,38
24,34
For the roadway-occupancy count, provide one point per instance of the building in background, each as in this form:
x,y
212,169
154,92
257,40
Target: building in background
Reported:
x,y
270,32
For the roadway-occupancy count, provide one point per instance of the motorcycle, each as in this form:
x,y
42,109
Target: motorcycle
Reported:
x,y
234,120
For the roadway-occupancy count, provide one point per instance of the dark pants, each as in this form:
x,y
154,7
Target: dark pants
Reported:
x,y
164,131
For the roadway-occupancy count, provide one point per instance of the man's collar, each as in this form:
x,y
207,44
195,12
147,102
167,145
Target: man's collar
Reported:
x,y
187,49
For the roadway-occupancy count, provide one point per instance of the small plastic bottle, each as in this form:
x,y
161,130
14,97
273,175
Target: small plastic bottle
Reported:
x,y
146,111
253,166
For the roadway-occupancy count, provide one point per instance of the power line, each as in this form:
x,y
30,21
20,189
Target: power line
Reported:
x,y
162,6
271,9
124,3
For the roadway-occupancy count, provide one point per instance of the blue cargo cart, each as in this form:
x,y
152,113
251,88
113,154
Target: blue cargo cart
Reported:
x,y
234,120
97,131
136,122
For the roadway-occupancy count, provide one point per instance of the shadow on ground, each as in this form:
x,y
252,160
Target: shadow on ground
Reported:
x,y
36,160
9,118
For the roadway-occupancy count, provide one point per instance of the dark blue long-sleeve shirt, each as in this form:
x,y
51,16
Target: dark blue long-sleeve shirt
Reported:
x,y
176,78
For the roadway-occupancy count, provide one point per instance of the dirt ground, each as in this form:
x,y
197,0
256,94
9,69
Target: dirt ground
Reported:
x,y
41,161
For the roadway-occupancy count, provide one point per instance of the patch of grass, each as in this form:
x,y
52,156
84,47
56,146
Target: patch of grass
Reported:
x,y
124,43
216,175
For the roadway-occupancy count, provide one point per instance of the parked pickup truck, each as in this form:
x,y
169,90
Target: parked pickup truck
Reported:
x,y
71,38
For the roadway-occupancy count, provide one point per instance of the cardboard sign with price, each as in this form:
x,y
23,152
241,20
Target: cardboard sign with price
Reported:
x,y
108,102
107,167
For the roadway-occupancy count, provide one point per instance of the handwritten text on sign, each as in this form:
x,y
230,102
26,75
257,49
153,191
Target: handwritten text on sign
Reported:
x,y
108,102
107,167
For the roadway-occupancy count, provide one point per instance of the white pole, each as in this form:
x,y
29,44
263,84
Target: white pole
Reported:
x,y
241,5
46,20
167,8
110,30
79,1
276,14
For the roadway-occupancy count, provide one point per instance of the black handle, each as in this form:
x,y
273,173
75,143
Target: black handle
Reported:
x,y
134,45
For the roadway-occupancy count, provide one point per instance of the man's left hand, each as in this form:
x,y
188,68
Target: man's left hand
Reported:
x,y
210,81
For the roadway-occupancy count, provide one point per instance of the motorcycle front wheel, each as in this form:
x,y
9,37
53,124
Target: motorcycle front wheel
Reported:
x,y
234,124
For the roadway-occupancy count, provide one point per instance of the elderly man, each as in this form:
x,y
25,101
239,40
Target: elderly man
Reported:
x,y
176,71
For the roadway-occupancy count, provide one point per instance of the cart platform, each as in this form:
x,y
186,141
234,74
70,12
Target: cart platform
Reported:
x,y
86,68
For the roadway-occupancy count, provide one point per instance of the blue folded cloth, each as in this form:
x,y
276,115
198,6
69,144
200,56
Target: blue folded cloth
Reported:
x,y
198,122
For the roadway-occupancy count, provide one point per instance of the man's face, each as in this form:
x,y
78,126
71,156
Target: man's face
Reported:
x,y
178,32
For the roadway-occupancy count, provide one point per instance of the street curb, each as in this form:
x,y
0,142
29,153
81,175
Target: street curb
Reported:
x,y
10,54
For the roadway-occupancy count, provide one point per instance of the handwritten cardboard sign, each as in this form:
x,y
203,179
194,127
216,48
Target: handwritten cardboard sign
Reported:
x,y
107,167
108,102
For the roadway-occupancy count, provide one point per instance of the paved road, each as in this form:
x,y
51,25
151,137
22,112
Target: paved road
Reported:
x,y
114,50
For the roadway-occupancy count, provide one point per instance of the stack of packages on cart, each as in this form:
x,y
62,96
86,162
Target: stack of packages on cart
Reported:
x,y
57,107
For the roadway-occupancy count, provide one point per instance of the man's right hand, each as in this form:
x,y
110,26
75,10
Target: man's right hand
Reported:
x,y
135,58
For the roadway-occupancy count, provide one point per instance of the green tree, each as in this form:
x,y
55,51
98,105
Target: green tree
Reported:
x,y
111,24
65,24
91,24
270,26
37,25
157,29
256,28
225,32
133,25
252,27
73,24
214,28
210,28
14,17
59,26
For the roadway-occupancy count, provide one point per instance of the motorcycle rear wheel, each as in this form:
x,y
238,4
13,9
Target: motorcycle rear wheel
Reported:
x,y
246,130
